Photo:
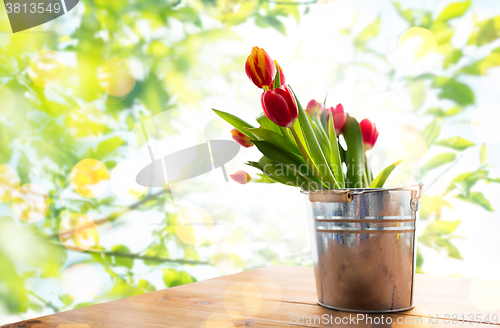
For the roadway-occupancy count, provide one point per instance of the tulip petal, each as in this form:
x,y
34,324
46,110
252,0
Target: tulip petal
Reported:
x,y
279,106
260,68
241,177
241,138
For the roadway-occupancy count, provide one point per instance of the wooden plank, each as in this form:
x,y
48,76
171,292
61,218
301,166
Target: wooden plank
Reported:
x,y
434,295
269,297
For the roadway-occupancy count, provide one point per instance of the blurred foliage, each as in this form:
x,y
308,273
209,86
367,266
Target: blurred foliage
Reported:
x,y
71,93
457,97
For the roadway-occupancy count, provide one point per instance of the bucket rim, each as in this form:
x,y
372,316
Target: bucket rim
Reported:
x,y
357,191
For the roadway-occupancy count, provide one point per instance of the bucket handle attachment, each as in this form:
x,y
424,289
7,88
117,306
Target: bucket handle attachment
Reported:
x,y
332,196
416,194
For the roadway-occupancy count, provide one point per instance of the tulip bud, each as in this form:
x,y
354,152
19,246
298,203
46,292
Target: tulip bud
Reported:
x,y
241,138
282,76
260,68
241,177
339,117
369,132
279,106
314,108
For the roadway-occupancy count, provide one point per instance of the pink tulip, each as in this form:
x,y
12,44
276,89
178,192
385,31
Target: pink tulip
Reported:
x,y
241,177
314,108
279,106
339,117
241,138
369,132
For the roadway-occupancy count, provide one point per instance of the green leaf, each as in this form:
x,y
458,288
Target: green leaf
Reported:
x,y
417,94
453,57
355,155
335,160
81,305
156,250
472,69
322,137
266,123
485,32
453,111
280,173
144,286
379,181
478,199
457,143
483,154
276,139
451,89
432,205
454,10
278,154
122,261
277,80
426,20
431,132
440,228
437,234
186,15
13,295
300,134
439,112
270,21
173,278
467,180
368,33
439,160
236,122
315,150
443,33
445,244
407,14
153,95
66,299
420,261
264,179
107,147
293,162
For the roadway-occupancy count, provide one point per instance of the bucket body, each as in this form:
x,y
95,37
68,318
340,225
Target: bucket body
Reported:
x,y
364,247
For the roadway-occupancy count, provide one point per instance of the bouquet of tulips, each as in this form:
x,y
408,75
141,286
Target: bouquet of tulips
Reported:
x,y
301,147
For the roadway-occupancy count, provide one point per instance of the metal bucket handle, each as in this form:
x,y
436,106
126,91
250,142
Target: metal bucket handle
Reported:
x,y
346,195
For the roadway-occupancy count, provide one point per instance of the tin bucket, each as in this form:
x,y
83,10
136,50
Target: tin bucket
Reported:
x,y
364,247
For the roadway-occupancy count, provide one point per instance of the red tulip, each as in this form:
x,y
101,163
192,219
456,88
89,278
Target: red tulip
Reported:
x,y
260,68
282,76
241,177
370,133
339,117
241,138
279,106
314,108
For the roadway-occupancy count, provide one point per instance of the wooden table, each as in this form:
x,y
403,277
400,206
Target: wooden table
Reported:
x,y
277,296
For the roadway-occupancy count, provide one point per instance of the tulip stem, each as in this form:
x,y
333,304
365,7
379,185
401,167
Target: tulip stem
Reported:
x,y
306,156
